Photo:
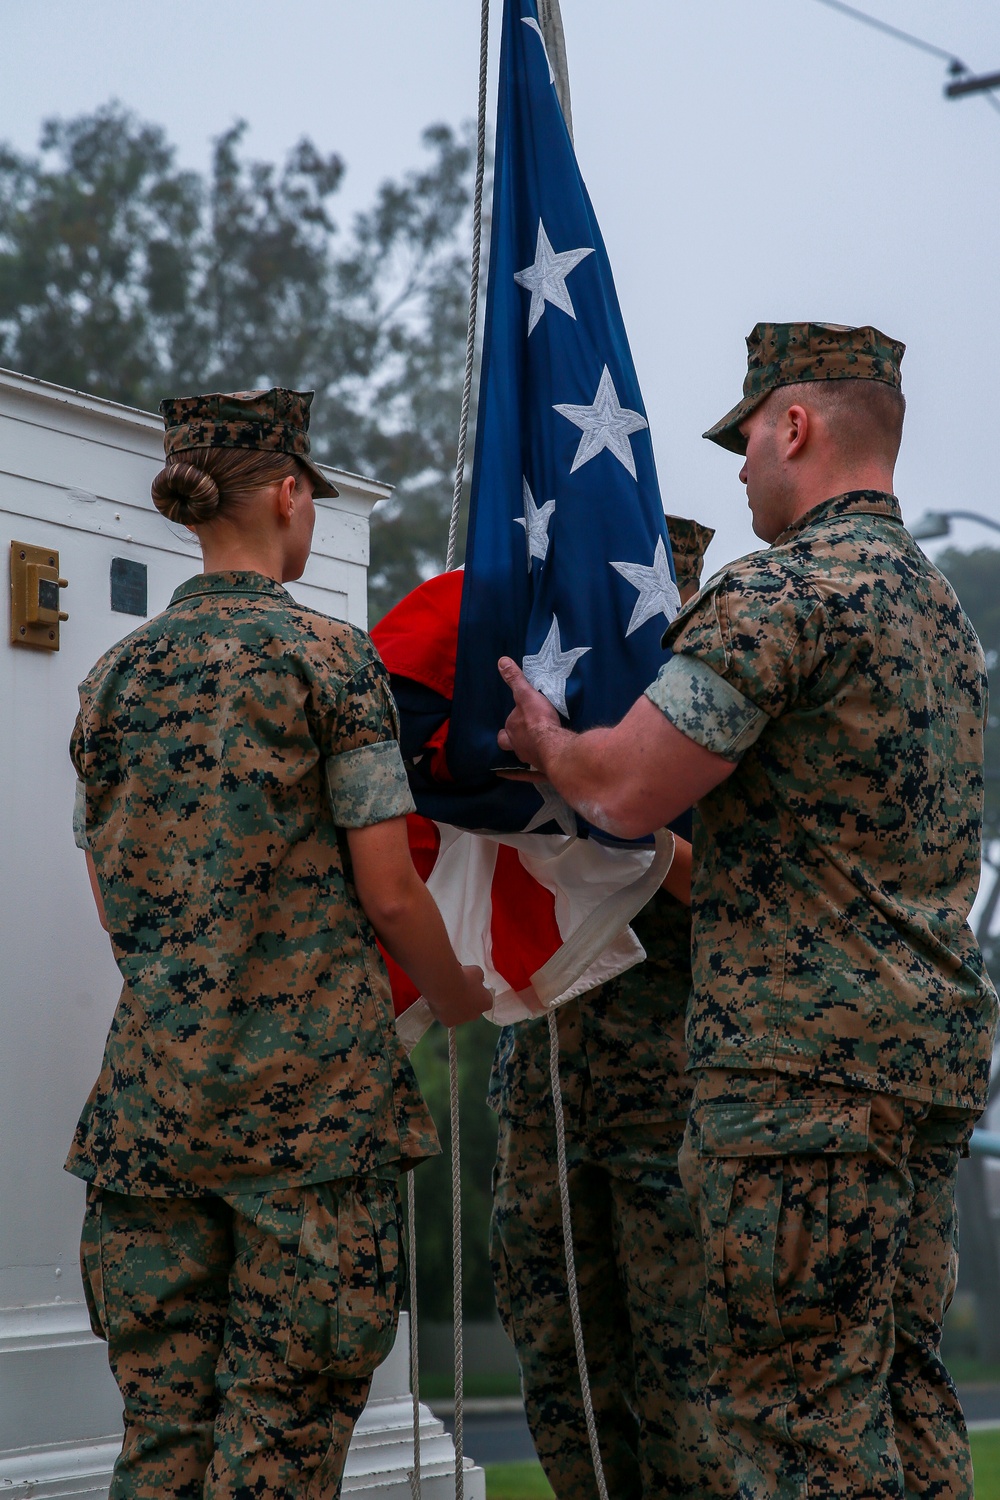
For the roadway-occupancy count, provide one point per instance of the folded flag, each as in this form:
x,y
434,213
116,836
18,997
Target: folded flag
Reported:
x,y
545,916
568,570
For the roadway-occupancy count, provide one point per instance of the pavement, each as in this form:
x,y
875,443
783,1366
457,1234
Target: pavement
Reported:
x,y
496,1431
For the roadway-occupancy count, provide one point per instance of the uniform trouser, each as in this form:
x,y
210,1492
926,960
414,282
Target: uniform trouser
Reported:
x,y
829,1227
243,1335
639,1272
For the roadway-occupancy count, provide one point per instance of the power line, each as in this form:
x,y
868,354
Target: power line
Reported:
x,y
955,64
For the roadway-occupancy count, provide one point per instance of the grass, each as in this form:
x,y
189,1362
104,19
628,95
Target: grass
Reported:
x,y
966,1371
527,1482
517,1482
477,1384
985,1463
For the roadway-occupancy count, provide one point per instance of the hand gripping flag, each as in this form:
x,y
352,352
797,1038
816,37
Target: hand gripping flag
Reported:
x,y
568,570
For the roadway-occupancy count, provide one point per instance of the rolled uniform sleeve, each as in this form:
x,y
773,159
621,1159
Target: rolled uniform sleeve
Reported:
x,y
743,649
365,776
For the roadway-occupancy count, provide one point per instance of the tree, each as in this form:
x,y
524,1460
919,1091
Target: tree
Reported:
x,y
975,576
124,276
476,1043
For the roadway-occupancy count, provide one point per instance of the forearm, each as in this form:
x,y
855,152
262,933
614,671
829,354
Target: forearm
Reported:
x,y
412,932
585,770
408,924
678,877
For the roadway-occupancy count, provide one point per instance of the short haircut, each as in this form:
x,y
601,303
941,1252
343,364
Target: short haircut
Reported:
x,y
865,417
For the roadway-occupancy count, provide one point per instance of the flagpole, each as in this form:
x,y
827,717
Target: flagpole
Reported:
x,y
550,20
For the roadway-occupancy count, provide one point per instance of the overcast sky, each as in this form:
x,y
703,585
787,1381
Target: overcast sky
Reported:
x,y
748,159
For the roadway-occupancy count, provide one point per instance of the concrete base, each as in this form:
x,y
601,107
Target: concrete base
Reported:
x,y
378,1464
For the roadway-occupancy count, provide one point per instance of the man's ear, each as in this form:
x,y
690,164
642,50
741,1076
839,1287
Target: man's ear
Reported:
x,y
795,430
285,498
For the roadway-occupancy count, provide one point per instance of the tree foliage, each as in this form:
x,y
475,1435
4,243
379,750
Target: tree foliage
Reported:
x,y
975,577
125,276
478,1140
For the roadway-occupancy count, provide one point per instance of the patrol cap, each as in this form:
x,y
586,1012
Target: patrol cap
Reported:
x,y
787,353
275,421
688,542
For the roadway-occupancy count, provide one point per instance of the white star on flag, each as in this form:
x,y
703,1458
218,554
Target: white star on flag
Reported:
x,y
530,21
606,424
552,810
546,278
548,670
658,593
536,524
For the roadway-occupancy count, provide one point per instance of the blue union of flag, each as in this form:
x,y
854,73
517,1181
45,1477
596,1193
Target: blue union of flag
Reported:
x,y
568,567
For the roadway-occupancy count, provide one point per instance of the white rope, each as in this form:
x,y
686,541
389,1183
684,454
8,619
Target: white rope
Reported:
x,y
456,1268
463,435
477,239
411,1245
567,1223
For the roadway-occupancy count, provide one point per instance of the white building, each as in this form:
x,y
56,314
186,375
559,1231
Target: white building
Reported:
x,y
75,473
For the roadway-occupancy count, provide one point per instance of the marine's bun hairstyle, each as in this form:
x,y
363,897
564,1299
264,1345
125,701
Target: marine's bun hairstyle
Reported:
x,y
185,493
198,483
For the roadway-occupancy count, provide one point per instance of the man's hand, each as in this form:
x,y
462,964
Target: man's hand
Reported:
x,y
531,719
629,779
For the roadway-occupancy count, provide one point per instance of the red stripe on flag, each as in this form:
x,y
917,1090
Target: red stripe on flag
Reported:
x,y
524,929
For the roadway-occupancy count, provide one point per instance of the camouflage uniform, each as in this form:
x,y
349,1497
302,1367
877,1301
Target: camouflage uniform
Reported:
x,y
242,1144
841,1021
639,1266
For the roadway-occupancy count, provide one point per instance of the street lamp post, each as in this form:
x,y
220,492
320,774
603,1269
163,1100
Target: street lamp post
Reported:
x,y
935,523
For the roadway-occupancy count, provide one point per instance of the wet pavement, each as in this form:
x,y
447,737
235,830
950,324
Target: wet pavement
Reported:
x,y
497,1432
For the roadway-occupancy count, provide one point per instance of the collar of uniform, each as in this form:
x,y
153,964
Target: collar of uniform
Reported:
x,y
230,583
854,503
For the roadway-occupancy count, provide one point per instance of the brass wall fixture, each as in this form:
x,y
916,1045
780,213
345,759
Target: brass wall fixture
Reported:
x,y
34,597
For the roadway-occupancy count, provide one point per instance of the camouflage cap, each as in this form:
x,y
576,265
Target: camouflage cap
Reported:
x,y
787,353
688,542
276,421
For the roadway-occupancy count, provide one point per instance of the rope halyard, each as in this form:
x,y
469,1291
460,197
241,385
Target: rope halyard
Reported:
x,y
411,1245
463,435
456,1268
567,1223
477,239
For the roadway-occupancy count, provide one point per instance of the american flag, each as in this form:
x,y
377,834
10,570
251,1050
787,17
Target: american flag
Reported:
x,y
568,567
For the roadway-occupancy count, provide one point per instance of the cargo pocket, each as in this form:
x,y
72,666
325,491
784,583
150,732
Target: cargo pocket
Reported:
x,y
785,1221
348,1279
91,1264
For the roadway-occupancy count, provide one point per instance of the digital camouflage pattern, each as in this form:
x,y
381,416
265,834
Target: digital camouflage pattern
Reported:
x,y
830,1234
787,353
631,1042
835,869
688,544
274,421
243,1333
639,1266
222,747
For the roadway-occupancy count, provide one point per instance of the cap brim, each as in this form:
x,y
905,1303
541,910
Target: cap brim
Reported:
x,y
727,432
322,488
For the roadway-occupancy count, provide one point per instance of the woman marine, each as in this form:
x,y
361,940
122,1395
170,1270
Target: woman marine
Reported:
x,y
242,802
